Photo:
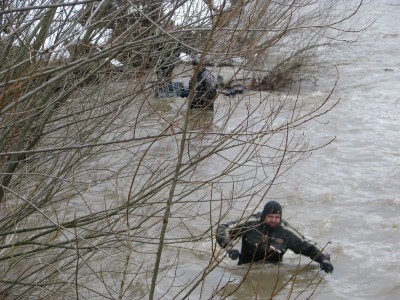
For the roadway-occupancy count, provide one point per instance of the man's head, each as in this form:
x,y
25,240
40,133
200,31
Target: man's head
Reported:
x,y
271,214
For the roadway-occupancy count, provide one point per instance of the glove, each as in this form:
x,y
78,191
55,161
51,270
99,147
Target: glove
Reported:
x,y
233,254
326,266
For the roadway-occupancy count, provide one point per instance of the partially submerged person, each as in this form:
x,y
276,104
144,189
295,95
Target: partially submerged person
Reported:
x,y
205,89
266,237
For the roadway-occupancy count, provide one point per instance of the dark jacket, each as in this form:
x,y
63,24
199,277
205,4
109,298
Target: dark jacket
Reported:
x,y
257,239
205,90
206,85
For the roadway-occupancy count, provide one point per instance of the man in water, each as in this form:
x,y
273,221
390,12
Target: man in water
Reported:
x,y
266,237
205,89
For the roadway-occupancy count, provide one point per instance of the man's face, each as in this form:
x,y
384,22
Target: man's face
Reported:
x,y
273,220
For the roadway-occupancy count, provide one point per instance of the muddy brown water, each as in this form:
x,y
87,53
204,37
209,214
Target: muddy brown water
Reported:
x,y
344,197
348,192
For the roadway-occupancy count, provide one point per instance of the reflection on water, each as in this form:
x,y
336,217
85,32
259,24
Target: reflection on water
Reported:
x,y
277,281
201,120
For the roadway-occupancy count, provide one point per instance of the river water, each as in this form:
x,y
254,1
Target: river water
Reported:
x,y
354,182
348,192
344,196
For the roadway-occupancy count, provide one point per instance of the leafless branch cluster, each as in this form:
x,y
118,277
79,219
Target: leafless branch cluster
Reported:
x,y
108,192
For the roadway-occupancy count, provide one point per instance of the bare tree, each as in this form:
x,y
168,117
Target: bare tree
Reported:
x,y
106,191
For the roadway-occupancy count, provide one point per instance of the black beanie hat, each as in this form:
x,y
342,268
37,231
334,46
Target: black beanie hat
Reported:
x,y
272,207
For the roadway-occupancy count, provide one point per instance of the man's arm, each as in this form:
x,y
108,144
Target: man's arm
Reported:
x,y
300,245
227,233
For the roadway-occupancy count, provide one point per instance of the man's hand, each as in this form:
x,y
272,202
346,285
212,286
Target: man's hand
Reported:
x,y
326,266
233,254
